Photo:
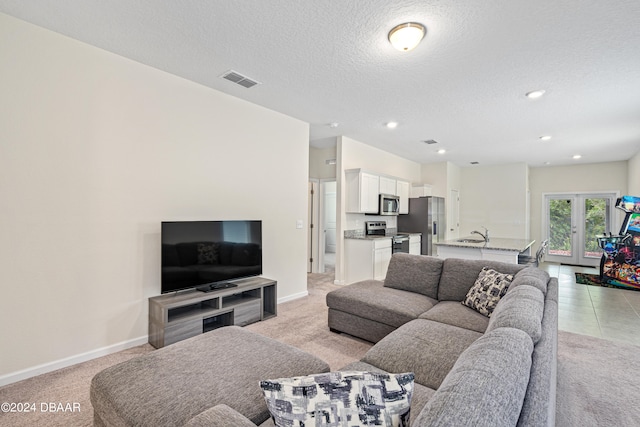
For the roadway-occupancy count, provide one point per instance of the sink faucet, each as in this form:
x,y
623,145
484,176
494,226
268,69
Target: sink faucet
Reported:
x,y
485,236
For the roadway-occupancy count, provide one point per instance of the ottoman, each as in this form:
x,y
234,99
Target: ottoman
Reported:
x,y
169,386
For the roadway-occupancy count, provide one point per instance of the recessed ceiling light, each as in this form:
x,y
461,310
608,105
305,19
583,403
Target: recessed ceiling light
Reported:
x,y
392,125
545,137
577,156
442,151
535,94
547,163
333,125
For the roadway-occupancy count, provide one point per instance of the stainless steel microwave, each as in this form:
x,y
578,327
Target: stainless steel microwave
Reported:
x,y
389,205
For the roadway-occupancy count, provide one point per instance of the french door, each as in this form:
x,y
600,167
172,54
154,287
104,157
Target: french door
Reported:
x,y
572,223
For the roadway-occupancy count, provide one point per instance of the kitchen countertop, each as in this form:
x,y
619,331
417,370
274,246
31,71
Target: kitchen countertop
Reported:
x,y
360,235
495,243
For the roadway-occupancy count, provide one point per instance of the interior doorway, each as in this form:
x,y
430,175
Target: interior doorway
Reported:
x,y
572,222
322,233
328,233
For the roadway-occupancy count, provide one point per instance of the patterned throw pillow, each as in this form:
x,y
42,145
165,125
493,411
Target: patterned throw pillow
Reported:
x,y
340,398
489,287
207,253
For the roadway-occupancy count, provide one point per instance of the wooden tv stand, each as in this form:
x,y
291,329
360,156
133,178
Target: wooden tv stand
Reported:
x,y
177,316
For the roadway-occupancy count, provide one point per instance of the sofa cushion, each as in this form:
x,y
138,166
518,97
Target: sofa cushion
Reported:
x,y
458,275
531,276
370,299
521,309
427,348
456,314
414,273
340,398
487,385
540,402
485,293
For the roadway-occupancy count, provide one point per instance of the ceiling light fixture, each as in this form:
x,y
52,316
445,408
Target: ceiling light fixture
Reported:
x,y
577,156
405,37
545,138
442,151
392,125
534,94
333,125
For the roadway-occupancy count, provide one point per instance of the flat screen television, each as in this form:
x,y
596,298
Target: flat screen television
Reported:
x,y
208,254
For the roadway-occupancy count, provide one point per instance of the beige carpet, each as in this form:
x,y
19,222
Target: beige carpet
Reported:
x,y
598,382
598,379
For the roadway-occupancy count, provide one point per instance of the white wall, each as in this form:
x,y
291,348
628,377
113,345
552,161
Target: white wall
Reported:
x,y
353,154
634,175
318,167
611,176
437,175
494,197
96,151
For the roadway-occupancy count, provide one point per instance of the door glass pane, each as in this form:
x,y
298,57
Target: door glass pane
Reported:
x,y
560,242
595,222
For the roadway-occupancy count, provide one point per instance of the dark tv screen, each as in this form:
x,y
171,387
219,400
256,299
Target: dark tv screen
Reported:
x,y
201,253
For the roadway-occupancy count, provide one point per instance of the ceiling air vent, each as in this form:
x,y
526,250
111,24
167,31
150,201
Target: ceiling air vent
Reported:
x,y
430,141
238,78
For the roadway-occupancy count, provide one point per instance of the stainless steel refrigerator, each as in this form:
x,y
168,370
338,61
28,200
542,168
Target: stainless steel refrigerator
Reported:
x,y
426,216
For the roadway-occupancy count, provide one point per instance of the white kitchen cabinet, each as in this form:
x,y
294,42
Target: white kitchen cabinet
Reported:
x,y
363,189
388,186
367,259
402,190
421,190
414,244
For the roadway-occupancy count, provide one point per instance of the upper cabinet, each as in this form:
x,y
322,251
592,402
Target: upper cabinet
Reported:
x,y
402,189
362,190
388,186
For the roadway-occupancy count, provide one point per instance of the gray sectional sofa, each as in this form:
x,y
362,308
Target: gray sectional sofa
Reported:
x,y
470,369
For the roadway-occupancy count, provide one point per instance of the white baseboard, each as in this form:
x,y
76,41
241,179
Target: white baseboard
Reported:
x,y
68,361
294,296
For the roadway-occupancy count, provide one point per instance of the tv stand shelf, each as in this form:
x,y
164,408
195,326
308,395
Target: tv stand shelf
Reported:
x,y
177,316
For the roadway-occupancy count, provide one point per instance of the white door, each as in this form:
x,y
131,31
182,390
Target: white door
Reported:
x,y
454,215
312,233
572,222
329,217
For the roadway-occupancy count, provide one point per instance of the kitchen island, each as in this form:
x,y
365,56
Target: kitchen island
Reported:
x,y
496,249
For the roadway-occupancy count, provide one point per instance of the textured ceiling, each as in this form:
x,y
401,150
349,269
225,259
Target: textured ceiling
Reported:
x,y
326,61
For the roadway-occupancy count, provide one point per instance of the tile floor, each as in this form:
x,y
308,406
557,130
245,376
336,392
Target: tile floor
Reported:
x,y
607,313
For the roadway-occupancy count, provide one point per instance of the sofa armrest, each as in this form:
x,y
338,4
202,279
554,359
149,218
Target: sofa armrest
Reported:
x,y
220,416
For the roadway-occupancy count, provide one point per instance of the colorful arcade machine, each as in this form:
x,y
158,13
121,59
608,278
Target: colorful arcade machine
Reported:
x,y
620,264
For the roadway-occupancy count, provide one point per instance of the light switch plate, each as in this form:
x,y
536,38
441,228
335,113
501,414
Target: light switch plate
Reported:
x,y
299,223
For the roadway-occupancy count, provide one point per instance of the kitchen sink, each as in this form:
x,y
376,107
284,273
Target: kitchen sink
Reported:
x,y
470,240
